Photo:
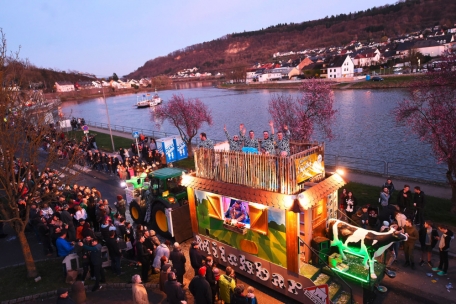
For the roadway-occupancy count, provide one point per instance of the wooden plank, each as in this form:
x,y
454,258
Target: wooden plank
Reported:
x,y
292,241
192,207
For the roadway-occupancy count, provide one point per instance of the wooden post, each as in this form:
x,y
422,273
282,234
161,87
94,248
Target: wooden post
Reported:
x,y
308,233
192,205
292,227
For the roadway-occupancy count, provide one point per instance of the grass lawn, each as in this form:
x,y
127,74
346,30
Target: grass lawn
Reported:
x,y
15,284
388,82
436,209
103,140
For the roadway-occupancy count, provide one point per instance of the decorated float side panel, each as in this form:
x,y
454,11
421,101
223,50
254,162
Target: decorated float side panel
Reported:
x,y
252,228
255,268
332,205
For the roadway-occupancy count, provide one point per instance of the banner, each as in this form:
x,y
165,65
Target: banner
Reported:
x,y
308,167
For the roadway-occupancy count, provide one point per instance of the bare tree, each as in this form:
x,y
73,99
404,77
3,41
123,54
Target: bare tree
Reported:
x,y
23,130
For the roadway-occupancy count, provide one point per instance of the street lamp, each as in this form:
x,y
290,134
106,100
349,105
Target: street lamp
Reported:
x,y
109,121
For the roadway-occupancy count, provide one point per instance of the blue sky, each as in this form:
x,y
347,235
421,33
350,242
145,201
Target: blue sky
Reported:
x,y
103,37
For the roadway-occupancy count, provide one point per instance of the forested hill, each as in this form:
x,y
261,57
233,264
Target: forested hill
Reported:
x,y
247,48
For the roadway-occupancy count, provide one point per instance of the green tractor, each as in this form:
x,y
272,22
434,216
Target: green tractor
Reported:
x,y
161,203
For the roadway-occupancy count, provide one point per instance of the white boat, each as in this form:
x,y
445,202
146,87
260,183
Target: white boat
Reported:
x,y
156,99
144,102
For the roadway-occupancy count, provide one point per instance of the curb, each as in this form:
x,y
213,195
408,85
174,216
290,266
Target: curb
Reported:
x,y
88,289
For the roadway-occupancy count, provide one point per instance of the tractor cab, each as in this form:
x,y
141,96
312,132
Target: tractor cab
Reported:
x,y
163,204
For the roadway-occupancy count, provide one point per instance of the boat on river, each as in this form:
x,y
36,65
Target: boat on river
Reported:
x,y
146,101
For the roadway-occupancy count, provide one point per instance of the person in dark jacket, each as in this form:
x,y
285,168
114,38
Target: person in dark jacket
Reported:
x,y
418,203
196,258
389,184
173,289
96,260
444,247
409,244
178,259
200,288
114,252
428,236
404,199
144,258
238,296
210,277
361,217
67,219
121,205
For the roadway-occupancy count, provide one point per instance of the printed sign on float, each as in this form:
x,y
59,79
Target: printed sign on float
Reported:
x,y
318,294
181,148
166,145
308,167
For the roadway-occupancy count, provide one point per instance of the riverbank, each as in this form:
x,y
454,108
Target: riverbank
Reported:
x,y
98,93
389,82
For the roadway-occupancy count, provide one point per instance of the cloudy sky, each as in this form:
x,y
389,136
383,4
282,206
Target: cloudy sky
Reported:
x,y
103,37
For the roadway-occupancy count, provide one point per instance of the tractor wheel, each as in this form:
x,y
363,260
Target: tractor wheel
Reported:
x,y
137,212
158,220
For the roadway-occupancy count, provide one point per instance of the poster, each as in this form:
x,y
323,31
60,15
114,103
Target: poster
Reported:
x,y
309,166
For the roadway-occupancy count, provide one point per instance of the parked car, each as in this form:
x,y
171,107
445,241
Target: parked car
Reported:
x,y
377,78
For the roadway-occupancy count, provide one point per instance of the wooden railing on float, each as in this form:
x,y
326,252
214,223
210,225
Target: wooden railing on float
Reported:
x,y
260,171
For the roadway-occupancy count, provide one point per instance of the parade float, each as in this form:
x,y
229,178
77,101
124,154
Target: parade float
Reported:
x,y
268,218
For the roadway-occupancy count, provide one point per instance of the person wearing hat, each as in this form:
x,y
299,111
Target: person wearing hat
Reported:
x,y
200,288
178,259
196,258
63,297
121,205
174,291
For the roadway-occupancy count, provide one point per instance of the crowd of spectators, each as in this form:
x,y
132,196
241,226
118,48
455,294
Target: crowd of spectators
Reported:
x,y
405,214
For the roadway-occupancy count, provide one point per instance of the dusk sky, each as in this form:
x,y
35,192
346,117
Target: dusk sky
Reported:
x,y
102,37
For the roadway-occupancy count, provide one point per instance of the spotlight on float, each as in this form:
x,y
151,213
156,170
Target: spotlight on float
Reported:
x,y
123,184
340,171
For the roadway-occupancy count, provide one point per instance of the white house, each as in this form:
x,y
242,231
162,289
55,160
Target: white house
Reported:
x,y
340,66
429,48
133,83
269,76
96,84
64,86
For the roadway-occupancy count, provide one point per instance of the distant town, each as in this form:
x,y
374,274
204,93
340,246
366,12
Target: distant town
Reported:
x,y
416,52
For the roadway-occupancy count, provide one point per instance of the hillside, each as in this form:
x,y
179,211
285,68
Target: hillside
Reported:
x,y
40,78
247,48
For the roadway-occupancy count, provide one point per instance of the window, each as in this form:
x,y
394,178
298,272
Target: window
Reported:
x,y
253,215
214,206
258,218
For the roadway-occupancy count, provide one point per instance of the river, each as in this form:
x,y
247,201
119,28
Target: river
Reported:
x,y
366,134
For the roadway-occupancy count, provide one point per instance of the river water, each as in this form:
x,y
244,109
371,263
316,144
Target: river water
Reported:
x,y
366,134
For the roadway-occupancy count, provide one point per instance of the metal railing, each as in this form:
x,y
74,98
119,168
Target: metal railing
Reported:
x,y
433,174
317,253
